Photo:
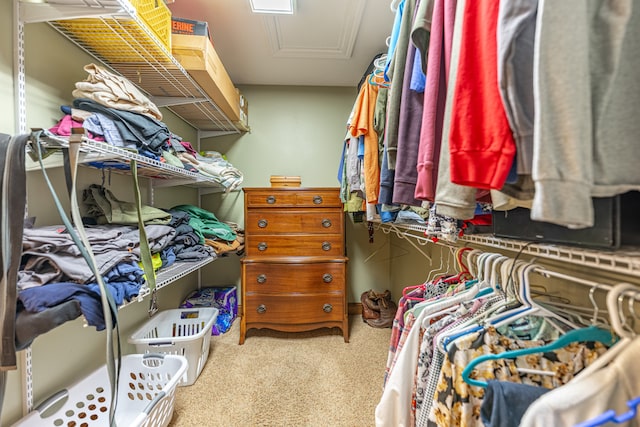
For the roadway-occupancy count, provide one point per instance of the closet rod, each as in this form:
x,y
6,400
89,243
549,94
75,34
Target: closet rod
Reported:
x,y
620,262
590,283
586,282
407,236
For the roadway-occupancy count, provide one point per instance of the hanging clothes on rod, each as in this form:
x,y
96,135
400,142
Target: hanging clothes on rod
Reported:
x,y
602,392
455,304
412,295
462,358
456,402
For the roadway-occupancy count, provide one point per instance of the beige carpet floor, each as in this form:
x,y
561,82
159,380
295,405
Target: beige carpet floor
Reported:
x,y
281,379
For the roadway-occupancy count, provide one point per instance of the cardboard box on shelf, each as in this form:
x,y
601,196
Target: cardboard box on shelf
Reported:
x,y
198,57
285,181
244,110
190,27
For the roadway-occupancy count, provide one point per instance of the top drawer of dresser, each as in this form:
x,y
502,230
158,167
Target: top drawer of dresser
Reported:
x,y
292,197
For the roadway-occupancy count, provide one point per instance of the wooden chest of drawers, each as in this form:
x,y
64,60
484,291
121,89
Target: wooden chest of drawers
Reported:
x,y
294,269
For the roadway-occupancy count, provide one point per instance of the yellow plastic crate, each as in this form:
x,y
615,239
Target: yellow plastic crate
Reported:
x,y
157,16
119,39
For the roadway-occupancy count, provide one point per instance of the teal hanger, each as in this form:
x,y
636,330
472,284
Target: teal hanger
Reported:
x,y
377,74
590,333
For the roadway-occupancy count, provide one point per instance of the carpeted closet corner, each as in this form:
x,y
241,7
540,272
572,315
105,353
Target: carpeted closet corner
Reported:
x,y
279,379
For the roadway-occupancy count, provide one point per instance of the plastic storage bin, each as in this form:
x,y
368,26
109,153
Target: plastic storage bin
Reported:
x,y
146,394
186,332
120,39
157,16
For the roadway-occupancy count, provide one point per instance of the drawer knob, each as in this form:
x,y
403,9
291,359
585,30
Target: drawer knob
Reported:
x,y
262,223
262,246
327,278
326,223
271,199
261,308
317,200
261,278
327,308
326,246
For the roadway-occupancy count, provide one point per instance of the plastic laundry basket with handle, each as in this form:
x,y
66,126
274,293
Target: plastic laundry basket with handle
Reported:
x,y
182,331
146,394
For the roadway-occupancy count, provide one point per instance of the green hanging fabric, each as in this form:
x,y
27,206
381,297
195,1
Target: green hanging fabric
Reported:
x,y
145,251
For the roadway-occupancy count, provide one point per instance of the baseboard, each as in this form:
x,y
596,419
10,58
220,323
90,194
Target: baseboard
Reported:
x,y
354,308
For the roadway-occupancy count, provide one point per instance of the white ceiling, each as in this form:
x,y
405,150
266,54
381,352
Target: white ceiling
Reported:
x,y
325,43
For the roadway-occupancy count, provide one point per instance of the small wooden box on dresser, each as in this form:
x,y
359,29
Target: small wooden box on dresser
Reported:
x,y
294,269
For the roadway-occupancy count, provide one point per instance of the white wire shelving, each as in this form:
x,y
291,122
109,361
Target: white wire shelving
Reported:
x,y
147,63
168,275
625,261
101,155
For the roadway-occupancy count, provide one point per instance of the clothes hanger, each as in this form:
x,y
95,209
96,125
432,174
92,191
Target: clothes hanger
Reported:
x,y
380,62
530,307
590,333
376,78
577,311
580,315
433,274
491,281
526,307
461,273
614,318
499,309
407,289
471,292
426,321
611,417
464,272
632,310
613,296
439,271
540,293
474,324
451,278
472,257
398,250
402,236
501,289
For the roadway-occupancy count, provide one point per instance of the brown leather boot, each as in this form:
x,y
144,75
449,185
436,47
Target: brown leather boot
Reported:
x,y
387,309
370,309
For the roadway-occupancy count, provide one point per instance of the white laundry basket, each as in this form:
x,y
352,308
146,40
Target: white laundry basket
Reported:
x,y
146,394
183,331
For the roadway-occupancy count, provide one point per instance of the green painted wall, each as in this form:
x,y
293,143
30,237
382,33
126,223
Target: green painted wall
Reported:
x,y
294,131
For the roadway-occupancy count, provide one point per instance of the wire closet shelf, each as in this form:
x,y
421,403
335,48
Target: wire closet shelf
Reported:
x,y
625,261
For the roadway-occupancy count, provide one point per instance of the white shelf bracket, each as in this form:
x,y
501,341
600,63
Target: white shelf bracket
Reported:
x,y
168,101
43,12
213,133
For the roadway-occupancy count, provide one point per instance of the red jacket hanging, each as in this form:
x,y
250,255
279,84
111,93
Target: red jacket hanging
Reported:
x,y
481,144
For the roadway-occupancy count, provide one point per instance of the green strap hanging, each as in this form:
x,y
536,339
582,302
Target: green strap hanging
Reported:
x,y
110,310
145,251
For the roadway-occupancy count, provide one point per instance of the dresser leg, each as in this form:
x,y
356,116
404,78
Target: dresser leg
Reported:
x,y
345,329
243,330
